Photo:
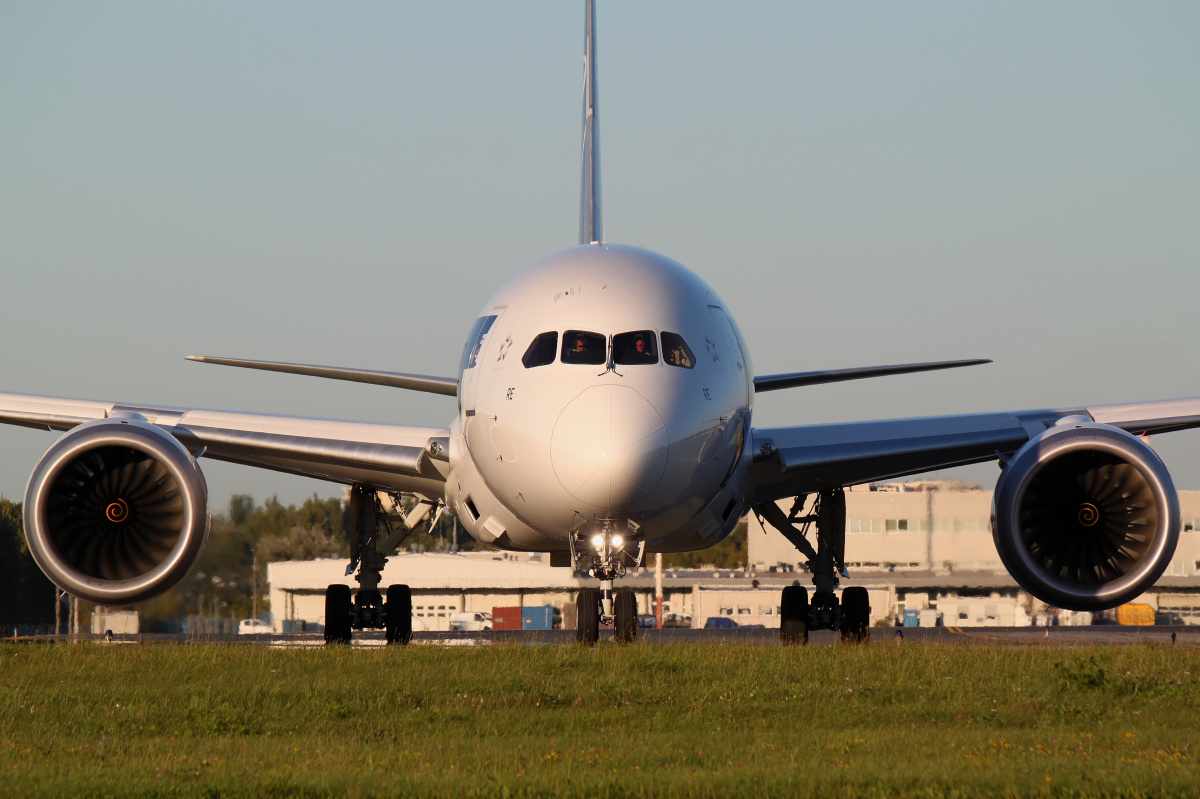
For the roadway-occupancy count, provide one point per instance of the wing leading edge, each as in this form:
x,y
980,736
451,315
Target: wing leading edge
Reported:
x,y
796,379
794,460
391,457
433,385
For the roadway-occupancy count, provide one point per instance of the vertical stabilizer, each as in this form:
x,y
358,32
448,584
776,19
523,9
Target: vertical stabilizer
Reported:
x,y
590,229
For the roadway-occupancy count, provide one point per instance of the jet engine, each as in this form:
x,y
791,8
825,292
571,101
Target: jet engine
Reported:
x,y
116,511
1085,516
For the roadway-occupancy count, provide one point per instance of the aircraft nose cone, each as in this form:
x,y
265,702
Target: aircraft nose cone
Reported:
x,y
609,447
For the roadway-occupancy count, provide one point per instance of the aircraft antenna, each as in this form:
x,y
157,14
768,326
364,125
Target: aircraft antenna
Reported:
x,y
590,229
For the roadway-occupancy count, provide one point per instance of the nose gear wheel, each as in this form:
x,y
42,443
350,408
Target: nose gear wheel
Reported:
x,y
605,561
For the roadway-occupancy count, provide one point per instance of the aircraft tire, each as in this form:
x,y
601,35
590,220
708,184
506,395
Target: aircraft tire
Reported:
x,y
398,615
587,624
856,614
626,612
793,615
337,614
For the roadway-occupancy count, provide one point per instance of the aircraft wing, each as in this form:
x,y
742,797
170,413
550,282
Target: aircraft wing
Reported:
x,y
393,457
795,460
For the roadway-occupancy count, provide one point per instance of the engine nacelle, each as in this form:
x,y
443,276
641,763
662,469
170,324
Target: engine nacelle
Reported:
x,y
1085,516
116,511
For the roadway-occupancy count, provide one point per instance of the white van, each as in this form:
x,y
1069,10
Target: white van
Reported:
x,y
253,627
471,621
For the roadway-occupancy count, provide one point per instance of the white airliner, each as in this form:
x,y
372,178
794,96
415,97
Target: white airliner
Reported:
x,y
605,410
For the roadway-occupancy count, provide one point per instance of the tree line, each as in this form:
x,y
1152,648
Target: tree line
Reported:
x,y
230,579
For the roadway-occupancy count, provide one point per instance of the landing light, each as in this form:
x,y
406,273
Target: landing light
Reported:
x,y
617,540
597,541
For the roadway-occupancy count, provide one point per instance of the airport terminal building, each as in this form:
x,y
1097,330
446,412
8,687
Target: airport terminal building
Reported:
x,y
921,546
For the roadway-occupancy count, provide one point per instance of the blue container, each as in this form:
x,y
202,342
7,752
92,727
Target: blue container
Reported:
x,y
537,618
912,618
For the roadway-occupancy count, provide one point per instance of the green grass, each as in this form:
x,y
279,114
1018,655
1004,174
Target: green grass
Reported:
x,y
710,720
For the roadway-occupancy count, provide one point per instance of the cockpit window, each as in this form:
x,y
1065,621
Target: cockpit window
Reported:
x,y
579,346
476,341
676,352
541,351
635,348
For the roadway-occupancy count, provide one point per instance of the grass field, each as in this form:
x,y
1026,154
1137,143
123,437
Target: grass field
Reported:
x,y
511,720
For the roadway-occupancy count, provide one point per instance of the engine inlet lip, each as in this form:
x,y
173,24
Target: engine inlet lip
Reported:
x,y
145,438
1029,462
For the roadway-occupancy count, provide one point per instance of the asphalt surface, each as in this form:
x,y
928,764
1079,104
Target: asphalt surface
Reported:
x,y
890,636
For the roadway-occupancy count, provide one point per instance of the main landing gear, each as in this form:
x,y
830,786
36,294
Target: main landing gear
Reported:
x,y
606,560
368,609
798,615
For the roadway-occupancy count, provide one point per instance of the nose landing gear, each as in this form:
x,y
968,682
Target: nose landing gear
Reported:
x,y
852,615
605,605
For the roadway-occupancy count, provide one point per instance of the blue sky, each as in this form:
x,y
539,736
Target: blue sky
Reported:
x,y
346,184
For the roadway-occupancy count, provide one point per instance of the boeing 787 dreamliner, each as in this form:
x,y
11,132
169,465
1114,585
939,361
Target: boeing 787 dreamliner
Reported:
x,y
605,410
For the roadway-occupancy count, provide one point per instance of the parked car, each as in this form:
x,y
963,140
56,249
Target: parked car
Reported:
x,y
471,621
253,627
677,620
719,623
646,620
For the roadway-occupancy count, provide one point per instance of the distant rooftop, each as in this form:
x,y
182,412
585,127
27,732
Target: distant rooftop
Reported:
x,y
918,486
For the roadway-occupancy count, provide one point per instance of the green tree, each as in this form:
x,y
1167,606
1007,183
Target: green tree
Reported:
x,y
26,595
729,554
241,542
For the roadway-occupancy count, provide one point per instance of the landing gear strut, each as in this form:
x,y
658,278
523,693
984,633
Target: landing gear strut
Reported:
x,y
605,605
827,561
368,610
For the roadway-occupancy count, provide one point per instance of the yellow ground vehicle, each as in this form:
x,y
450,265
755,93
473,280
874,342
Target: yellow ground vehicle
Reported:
x,y
1140,615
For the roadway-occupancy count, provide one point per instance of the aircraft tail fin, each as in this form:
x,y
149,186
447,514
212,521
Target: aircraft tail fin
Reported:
x,y
590,229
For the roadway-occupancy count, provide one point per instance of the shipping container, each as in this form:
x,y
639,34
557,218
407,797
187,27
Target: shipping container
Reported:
x,y
506,618
1139,615
927,617
912,618
540,617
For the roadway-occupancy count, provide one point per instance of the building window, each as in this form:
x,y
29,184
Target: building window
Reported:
x,y
726,611
766,610
743,611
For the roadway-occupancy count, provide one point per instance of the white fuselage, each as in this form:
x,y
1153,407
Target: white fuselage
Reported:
x,y
607,437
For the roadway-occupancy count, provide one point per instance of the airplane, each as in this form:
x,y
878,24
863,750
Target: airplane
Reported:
x,y
605,400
